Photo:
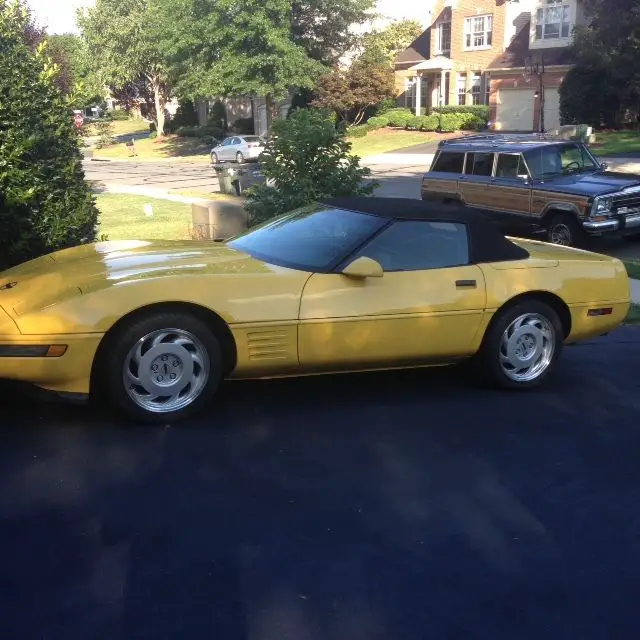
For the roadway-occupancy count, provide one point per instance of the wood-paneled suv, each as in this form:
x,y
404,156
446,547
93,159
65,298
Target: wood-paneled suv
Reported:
x,y
536,184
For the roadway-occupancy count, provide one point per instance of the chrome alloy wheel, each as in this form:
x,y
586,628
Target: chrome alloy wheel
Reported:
x,y
166,370
527,347
561,234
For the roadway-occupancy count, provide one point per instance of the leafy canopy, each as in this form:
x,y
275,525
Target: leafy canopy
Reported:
x,y
384,45
307,158
45,203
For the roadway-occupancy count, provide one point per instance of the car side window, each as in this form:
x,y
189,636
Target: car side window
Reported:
x,y
413,245
449,162
510,165
236,141
226,142
480,164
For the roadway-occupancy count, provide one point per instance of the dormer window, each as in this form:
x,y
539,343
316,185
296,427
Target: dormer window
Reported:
x,y
552,20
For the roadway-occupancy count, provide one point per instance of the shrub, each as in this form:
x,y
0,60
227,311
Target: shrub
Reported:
x,y
386,105
307,158
104,129
449,122
414,123
45,203
430,123
480,110
400,118
119,114
358,131
377,122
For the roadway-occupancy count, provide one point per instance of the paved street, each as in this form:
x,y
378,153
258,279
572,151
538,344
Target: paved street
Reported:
x,y
403,506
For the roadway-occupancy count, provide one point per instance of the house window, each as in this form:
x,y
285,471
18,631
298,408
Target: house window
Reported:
x,y
409,92
478,32
476,88
462,88
444,39
552,20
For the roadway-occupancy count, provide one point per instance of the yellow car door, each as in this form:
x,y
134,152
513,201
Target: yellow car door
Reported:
x,y
427,306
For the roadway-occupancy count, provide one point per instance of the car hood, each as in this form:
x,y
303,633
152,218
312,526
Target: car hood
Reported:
x,y
592,184
81,270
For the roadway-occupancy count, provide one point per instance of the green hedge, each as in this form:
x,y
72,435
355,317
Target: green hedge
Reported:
x,y
424,123
480,110
199,132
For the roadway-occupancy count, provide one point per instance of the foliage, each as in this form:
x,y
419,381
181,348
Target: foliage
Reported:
x,y
104,129
399,117
323,28
125,39
209,131
377,122
45,203
352,91
388,104
424,123
480,110
383,46
32,33
218,116
358,130
609,48
307,158
119,114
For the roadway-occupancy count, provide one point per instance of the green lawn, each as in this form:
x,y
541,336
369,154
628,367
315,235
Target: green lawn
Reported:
x,y
609,143
121,127
123,218
384,140
159,149
633,269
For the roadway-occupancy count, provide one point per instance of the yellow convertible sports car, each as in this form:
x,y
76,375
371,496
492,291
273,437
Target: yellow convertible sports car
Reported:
x,y
349,284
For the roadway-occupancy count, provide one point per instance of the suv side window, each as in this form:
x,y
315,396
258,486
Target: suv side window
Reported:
x,y
480,164
510,165
449,162
413,245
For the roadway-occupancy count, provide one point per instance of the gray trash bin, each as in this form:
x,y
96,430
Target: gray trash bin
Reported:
x,y
226,177
248,177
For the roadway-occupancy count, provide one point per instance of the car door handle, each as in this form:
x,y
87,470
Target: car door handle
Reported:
x,y
466,284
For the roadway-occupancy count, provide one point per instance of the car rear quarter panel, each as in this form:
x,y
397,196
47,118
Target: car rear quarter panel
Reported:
x,y
581,285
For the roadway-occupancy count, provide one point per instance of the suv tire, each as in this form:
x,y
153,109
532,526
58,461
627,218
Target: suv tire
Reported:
x,y
564,230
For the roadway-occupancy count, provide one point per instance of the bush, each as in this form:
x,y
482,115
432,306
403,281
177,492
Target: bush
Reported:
x,y
400,118
104,129
386,105
430,123
480,110
186,116
377,122
358,131
242,126
45,203
414,123
119,114
449,122
308,159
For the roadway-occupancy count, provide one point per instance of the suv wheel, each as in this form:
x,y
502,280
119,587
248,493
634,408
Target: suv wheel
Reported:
x,y
565,231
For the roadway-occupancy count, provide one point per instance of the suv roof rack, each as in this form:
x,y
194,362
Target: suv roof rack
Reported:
x,y
498,138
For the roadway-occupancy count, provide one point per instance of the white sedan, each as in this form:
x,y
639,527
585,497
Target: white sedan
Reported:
x,y
238,149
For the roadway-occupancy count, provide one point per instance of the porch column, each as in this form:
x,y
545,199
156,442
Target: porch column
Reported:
x,y
443,87
418,93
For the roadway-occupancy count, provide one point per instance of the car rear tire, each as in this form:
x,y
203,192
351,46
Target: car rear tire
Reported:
x,y
161,368
239,157
564,230
521,346
214,158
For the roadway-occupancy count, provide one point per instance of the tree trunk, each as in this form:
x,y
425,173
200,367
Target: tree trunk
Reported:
x,y
270,108
160,102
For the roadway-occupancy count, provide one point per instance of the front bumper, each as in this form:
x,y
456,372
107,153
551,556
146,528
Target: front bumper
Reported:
x,y
66,374
619,225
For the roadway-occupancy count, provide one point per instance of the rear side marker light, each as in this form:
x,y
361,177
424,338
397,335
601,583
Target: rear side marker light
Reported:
x,y
605,311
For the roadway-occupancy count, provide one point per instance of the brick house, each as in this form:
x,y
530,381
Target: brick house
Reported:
x,y
480,52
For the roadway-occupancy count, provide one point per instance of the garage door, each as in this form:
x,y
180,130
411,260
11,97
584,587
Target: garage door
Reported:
x,y
551,109
515,109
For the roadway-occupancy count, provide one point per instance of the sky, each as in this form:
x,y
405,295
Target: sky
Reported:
x,y
59,16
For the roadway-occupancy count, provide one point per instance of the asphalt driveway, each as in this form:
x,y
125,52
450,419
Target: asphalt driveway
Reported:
x,y
393,506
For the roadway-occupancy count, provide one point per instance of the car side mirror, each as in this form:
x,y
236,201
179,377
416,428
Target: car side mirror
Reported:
x,y
604,166
363,267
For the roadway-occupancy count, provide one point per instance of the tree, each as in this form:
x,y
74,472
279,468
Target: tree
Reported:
x,y
32,33
74,77
308,159
125,38
609,44
324,27
229,47
45,203
352,91
384,45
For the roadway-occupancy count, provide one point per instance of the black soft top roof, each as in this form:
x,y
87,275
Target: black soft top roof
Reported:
x,y
487,243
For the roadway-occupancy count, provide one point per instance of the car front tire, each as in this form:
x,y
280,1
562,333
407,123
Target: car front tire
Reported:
x,y
565,231
522,345
161,368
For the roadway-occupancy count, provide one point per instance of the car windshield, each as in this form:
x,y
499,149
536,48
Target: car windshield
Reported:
x,y
560,159
314,238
